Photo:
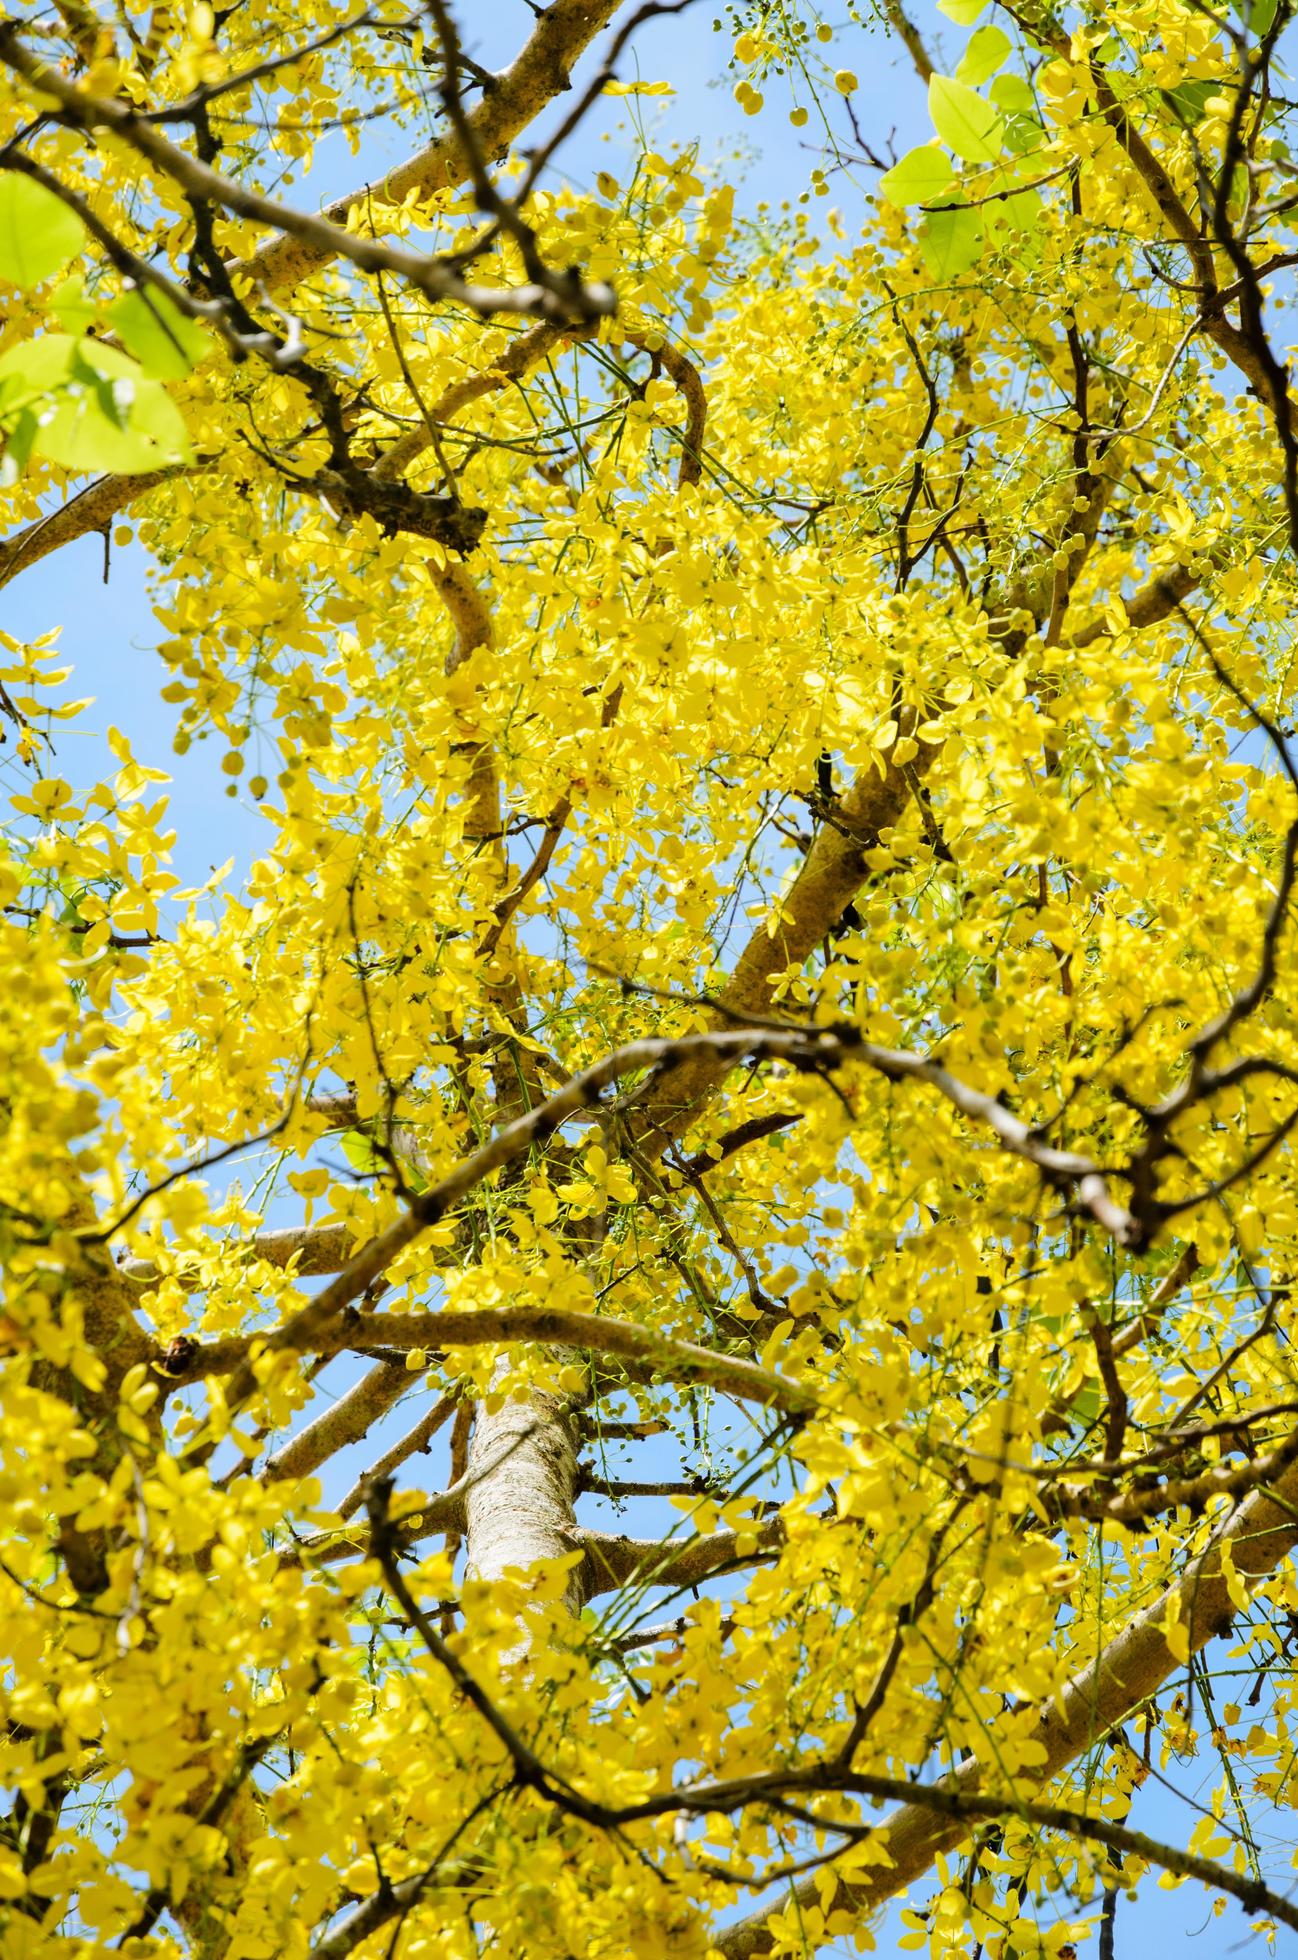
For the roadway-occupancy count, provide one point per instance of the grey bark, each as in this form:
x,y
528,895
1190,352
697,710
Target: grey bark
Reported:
x,y
521,1499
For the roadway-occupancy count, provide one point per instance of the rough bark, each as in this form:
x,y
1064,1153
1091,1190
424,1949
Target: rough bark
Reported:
x,y
522,1491
831,875
612,1562
642,1354
349,1419
318,1249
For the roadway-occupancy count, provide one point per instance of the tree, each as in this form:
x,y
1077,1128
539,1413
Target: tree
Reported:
x,y
769,995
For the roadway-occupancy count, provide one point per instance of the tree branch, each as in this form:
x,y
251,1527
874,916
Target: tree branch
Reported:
x,y
409,1445
517,96
613,1562
645,1354
539,73
1131,1668
350,1418
316,1248
560,295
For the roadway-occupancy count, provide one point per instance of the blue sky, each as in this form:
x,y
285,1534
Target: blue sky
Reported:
x,y
109,633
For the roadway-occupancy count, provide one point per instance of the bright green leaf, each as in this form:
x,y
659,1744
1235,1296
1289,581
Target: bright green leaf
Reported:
x,y
1086,1403
72,306
81,435
988,49
38,233
97,358
121,400
359,1151
18,438
1023,135
963,121
1013,95
165,343
963,12
1018,213
114,391
951,241
35,369
1186,100
106,414
155,416
921,177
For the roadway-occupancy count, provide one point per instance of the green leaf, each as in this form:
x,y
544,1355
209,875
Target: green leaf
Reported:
x,y
165,343
1186,100
33,371
1014,98
155,418
71,305
1013,95
36,369
951,242
1023,135
359,1152
987,51
1259,17
963,12
18,439
1019,213
78,434
114,392
1086,1403
963,121
38,233
97,359
82,434
105,415
921,177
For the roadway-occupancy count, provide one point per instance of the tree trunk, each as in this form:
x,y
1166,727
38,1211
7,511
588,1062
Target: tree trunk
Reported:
x,y
522,1491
